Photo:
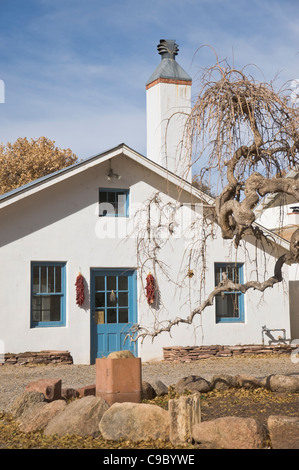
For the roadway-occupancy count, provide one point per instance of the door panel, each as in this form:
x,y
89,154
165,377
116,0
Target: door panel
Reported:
x,y
113,311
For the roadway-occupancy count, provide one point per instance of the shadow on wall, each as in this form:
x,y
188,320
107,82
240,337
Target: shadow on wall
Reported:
x,y
44,208
294,308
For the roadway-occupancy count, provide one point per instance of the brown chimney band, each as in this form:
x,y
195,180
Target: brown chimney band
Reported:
x,y
168,80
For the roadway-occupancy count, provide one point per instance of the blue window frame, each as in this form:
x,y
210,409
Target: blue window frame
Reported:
x,y
47,294
113,202
230,305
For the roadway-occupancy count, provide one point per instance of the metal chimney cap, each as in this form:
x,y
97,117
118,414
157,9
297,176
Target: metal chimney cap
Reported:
x,y
168,68
168,49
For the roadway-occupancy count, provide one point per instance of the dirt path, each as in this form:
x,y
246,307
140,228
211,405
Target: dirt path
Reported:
x,y
13,379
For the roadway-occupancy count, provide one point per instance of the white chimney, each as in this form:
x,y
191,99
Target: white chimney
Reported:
x,y
168,103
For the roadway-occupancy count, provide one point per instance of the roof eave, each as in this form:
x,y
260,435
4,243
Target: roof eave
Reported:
x,y
60,175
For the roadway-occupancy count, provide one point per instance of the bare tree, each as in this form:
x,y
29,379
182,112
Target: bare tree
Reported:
x,y
246,133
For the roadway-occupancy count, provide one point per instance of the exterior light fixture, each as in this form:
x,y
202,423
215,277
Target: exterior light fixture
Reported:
x,y
111,175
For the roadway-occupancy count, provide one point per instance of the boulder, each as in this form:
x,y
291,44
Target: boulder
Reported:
x,y
283,383
120,354
222,382
51,388
246,381
160,388
81,417
147,392
24,402
135,422
283,432
193,383
184,414
38,416
230,433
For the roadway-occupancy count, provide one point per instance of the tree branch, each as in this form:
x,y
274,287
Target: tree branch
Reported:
x,y
139,332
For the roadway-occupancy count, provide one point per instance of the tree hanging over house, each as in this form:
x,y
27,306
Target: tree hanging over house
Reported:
x,y
26,160
250,135
245,134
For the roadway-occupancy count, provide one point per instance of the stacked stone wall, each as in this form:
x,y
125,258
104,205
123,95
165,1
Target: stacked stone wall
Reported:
x,y
41,357
196,353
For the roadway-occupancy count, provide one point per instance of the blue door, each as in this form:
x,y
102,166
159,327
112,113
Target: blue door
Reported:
x,y
113,306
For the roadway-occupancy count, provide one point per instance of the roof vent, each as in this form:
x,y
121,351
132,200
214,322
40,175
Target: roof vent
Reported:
x,y
168,49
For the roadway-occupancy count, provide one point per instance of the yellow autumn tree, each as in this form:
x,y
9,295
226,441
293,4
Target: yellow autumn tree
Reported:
x,y
26,160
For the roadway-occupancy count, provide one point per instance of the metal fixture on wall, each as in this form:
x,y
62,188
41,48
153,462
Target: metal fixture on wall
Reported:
x,y
268,332
111,174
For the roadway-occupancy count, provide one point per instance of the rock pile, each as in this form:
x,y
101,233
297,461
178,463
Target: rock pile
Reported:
x,y
44,406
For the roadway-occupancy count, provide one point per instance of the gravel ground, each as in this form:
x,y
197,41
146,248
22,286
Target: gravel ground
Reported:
x,y
13,379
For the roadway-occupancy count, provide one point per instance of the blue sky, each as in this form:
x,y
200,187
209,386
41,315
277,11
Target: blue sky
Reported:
x,y
75,70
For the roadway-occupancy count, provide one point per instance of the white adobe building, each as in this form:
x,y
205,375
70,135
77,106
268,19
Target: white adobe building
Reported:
x,y
280,215
86,219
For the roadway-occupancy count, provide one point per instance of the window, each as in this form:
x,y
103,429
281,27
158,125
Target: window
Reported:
x,y
47,294
114,202
112,297
230,306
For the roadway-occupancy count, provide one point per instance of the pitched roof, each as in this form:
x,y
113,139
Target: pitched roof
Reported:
x,y
53,178
82,165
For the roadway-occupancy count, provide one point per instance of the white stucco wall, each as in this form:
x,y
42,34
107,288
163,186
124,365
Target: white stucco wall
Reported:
x,y
278,217
167,107
270,308
61,223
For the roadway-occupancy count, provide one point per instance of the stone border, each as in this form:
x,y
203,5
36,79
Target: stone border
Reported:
x,y
196,353
44,407
41,357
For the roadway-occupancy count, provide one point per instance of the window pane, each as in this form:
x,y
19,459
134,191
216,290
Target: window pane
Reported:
x,y
232,272
46,308
100,300
55,308
111,315
111,282
100,283
112,204
99,317
51,279
43,283
36,308
121,203
123,283
123,299
111,196
103,196
227,306
123,315
217,275
58,286
35,280
111,299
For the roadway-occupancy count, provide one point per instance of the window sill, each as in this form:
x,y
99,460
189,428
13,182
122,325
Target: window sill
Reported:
x,y
229,320
47,325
